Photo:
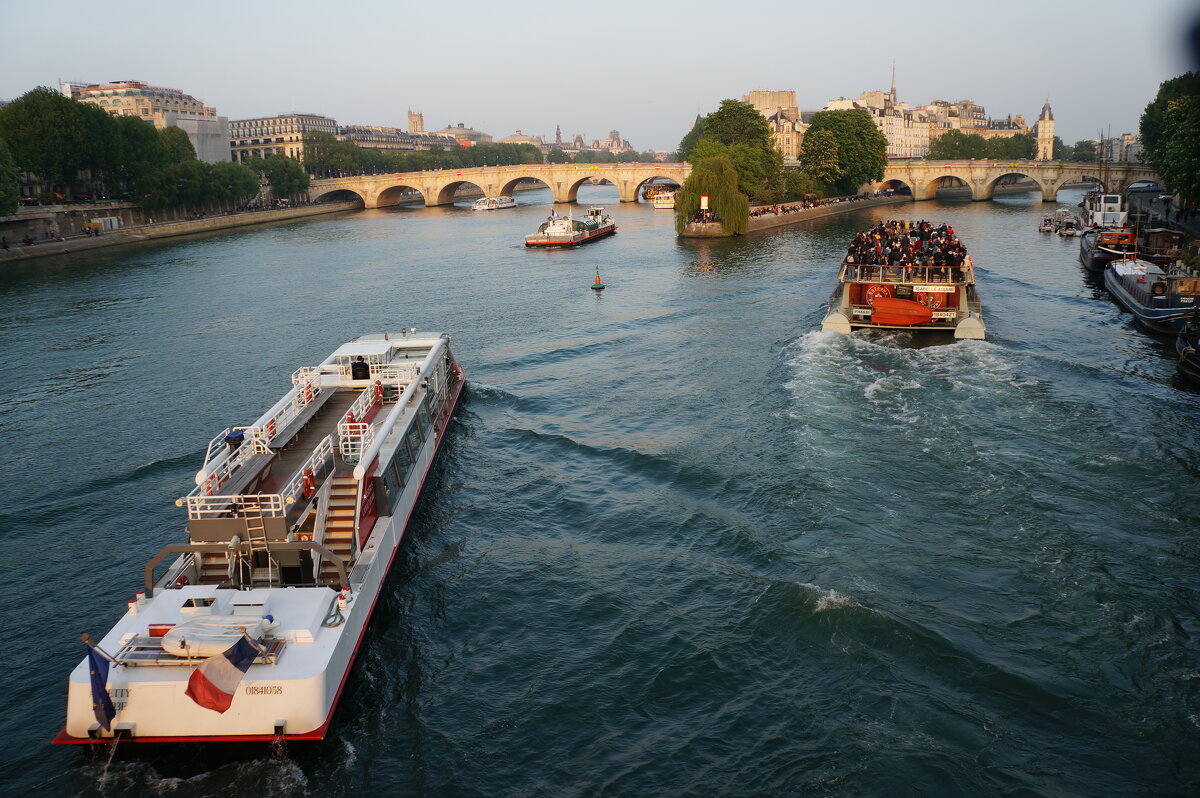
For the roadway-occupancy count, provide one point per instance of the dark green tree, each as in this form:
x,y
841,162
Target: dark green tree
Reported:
x,y
1170,133
739,132
819,156
861,147
47,134
235,183
10,195
287,177
175,146
688,143
1062,152
716,179
1084,150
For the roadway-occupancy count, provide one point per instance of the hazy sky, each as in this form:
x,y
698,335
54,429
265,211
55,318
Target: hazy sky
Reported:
x,y
644,68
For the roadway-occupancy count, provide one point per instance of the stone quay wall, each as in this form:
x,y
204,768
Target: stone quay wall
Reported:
x,y
80,243
767,221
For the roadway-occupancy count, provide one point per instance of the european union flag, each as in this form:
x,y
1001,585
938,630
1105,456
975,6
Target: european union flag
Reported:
x,y
102,705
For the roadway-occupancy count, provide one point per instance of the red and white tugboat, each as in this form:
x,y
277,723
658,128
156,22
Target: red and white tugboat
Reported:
x,y
247,628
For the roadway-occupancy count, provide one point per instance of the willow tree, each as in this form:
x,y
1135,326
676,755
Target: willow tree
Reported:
x,y
716,179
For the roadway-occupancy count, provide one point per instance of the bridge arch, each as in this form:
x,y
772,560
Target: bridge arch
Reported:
x,y
637,188
897,185
398,193
1048,190
928,188
509,187
444,195
571,194
339,195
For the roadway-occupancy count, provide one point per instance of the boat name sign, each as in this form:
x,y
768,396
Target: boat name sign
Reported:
x,y
934,289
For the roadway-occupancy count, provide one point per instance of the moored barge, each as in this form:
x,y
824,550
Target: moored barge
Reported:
x,y
567,231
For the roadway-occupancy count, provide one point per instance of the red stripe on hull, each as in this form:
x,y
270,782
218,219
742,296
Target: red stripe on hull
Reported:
x,y
62,738
583,240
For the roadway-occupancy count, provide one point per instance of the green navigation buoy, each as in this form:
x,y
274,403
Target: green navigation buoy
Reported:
x,y
597,286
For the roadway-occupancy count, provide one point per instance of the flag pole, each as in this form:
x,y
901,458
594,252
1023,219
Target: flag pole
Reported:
x,y
85,637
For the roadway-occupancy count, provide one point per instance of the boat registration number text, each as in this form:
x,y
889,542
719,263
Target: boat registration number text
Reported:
x,y
264,689
944,314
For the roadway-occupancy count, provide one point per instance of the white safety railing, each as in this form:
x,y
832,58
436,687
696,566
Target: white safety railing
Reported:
x,y
312,473
204,506
216,474
307,374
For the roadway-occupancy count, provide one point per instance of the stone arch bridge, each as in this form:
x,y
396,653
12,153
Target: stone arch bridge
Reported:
x,y
437,187
923,177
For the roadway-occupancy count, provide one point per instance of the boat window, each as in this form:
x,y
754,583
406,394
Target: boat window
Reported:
x,y
423,415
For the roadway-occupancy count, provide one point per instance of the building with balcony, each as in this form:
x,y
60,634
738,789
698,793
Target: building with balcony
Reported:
x,y
271,135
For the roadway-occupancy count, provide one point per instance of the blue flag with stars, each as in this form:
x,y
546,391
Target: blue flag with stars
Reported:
x,y
102,705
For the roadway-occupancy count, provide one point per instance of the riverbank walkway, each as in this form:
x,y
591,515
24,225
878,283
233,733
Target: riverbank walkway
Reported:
x,y
81,242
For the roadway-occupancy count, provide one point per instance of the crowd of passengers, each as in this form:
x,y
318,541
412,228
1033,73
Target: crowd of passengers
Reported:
x,y
908,244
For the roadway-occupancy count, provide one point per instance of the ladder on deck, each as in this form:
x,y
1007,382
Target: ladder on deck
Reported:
x,y
339,524
256,538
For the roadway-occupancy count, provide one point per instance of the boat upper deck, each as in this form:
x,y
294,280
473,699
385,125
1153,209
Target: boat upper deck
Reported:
x,y
851,272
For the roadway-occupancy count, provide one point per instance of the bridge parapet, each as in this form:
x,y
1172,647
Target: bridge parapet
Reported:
x,y
924,176
438,186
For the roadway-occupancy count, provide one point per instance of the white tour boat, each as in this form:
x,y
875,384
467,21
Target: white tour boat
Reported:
x,y
664,201
291,529
567,231
494,203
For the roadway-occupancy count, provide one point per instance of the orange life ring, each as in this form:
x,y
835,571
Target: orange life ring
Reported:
x,y
182,581
208,486
378,387
308,392
308,483
271,429
349,417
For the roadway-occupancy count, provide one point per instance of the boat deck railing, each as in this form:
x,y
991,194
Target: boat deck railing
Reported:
x,y
147,650
942,275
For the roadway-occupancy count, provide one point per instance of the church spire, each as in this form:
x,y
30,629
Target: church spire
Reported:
x,y
893,81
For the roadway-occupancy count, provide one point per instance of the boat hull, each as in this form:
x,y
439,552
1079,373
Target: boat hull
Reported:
x,y
573,241
1187,346
1166,320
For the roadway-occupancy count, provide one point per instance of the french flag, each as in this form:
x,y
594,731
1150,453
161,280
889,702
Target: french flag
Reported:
x,y
213,684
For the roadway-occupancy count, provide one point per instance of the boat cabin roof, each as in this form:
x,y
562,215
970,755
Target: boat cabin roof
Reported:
x,y
364,348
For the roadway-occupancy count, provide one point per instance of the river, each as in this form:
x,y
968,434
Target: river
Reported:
x,y
678,541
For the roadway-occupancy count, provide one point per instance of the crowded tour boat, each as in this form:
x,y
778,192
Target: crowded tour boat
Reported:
x,y
247,628
901,275
494,203
567,231
1160,297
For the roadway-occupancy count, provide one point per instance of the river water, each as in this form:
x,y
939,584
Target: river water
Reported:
x,y
678,541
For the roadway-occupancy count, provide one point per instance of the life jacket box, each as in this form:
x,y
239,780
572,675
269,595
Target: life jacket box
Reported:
x,y
160,629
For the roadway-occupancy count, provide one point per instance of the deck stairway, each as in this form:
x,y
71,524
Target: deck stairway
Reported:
x,y
339,524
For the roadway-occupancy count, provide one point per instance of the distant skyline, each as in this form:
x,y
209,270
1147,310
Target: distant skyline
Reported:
x,y
645,69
